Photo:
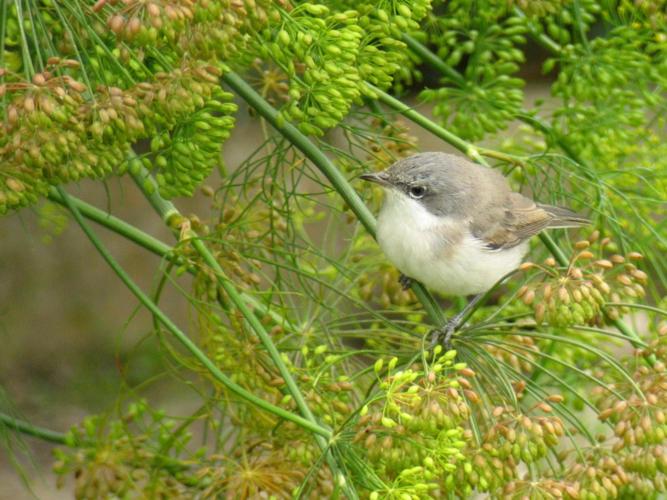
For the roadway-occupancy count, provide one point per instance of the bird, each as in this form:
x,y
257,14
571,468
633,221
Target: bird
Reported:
x,y
457,226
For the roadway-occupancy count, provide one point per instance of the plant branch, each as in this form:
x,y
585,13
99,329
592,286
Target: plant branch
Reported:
x,y
29,429
181,336
543,40
167,212
155,246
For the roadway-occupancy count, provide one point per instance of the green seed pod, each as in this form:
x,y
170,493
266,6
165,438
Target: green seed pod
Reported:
x,y
283,37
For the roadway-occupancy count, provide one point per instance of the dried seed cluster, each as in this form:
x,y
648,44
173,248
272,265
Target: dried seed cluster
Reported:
x,y
584,292
54,134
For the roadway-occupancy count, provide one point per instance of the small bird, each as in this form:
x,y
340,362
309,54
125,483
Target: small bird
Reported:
x,y
456,226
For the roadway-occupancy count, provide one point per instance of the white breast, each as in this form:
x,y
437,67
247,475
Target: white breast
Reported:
x,y
416,242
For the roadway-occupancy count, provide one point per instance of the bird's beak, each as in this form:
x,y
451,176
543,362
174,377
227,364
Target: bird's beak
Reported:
x,y
377,177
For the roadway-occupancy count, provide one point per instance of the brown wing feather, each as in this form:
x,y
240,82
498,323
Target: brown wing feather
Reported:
x,y
519,218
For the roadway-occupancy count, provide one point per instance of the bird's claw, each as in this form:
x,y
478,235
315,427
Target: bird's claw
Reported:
x,y
405,281
443,335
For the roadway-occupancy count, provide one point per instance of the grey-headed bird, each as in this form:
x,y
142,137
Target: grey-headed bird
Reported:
x,y
456,226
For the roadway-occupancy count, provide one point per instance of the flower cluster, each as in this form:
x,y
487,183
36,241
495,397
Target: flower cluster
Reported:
x,y
486,97
318,50
327,55
565,24
414,428
127,456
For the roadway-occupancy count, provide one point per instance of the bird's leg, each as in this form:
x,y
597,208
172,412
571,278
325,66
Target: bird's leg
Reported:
x,y
445,332
405,281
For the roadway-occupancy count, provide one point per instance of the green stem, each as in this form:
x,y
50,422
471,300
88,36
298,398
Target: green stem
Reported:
x,y
167,211
32,430
324,164
182,337
321,161
29,69
434,61
154,246
468,149
543,40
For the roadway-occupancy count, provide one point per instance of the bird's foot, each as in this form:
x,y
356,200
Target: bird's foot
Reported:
x,y
443,335
405,281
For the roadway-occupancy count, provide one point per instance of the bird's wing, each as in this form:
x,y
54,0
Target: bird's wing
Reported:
x,y
517,219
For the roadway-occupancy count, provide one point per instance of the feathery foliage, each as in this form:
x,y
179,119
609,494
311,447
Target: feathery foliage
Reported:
x,y
307,356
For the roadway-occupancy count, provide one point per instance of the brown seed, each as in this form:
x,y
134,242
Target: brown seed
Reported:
x,y
464,383
156,22
617,259
47,105
153,10
620,407
624,279
77,86
519,386
544,407
133,26
585,255
635,256
472,396
15,185
170,12
71,63
510,434
582,245
527,423
38,79
605,414
640,276
646,423
99,5
116,23
603,263
620,428
387,442
29,104
550,261
277,382
528,297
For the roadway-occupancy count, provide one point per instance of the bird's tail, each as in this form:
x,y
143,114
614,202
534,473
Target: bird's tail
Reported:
x,y
564,217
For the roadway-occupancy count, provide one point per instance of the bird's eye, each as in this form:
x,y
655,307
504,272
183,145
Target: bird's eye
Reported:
x,y
417,192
